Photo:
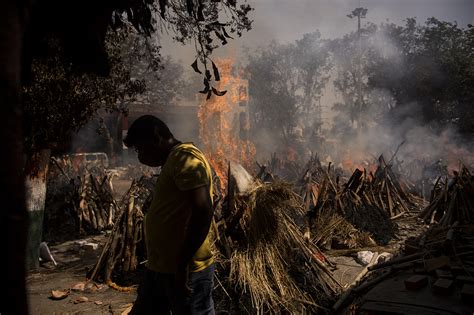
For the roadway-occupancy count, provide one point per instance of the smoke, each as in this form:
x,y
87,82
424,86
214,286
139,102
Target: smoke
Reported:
x,y
387,123
399,131
414,142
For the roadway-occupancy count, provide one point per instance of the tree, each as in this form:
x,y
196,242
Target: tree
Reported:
x,y
351,57
59,101
285,84
165,87
434,71
13,22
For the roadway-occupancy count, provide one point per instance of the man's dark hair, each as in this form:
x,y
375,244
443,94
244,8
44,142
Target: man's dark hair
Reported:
x,y
146,128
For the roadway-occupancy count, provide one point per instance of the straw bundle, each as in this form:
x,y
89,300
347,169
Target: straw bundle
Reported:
x,y
273,262
331,230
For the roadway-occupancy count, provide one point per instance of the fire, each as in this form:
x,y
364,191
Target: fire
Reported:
x,y
224,124
355,160
291,154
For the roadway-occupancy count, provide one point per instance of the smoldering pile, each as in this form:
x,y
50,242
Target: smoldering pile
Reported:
x,y
269,258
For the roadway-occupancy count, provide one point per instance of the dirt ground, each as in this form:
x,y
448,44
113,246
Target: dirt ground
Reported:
x,y
74,259
73,262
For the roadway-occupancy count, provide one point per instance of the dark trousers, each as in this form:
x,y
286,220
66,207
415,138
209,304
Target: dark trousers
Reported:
x,y
157,295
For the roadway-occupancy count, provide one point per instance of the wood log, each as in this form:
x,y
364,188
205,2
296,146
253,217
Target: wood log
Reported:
x,y
128,234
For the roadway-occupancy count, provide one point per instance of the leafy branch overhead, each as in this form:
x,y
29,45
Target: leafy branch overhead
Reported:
x,y
205,23
208,89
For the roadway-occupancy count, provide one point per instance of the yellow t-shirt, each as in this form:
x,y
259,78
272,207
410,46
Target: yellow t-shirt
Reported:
x,y
186,168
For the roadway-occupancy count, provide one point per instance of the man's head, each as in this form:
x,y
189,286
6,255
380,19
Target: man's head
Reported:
x,y
151,138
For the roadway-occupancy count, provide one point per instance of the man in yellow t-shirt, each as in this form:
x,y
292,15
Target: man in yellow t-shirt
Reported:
x,y
177,225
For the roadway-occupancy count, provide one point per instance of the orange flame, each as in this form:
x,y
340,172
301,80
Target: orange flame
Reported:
x,y
357,160
222,128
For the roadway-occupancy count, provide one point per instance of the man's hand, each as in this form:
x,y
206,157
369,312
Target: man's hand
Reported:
x,y
181,282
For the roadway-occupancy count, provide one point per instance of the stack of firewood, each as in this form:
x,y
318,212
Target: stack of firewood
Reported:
x,y
368,201
78,200
121,254
451,200
351,202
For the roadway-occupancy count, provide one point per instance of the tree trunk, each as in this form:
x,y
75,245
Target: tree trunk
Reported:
x,y
109,142
35,184
13,17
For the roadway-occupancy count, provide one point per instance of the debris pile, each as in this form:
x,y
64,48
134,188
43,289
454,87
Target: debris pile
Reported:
x,y
451,201
439,262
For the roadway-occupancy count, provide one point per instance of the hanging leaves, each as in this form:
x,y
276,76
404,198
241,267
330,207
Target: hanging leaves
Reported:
x,y
221,37
218,93
207,87
226,34
163,5
200,15
195,66
208,75
217,76
190,7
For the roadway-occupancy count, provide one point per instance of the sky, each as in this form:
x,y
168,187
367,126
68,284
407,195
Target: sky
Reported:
x,y
287,20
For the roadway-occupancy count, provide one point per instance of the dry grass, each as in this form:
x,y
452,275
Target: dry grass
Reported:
x,y
274,264
331,230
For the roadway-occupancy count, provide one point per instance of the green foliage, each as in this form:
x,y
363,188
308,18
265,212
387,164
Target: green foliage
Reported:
x,y
166,87
58,101
391,73
435,71
286,82
351,57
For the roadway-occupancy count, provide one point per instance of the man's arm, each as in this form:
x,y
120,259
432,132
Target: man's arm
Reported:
x,y
197,230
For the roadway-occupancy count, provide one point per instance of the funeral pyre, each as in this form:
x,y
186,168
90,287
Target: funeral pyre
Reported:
x,y
261,238
79,199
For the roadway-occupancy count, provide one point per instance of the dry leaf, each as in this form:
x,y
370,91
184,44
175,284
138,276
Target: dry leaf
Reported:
x,y
128,309
81,299
79,286
58,294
